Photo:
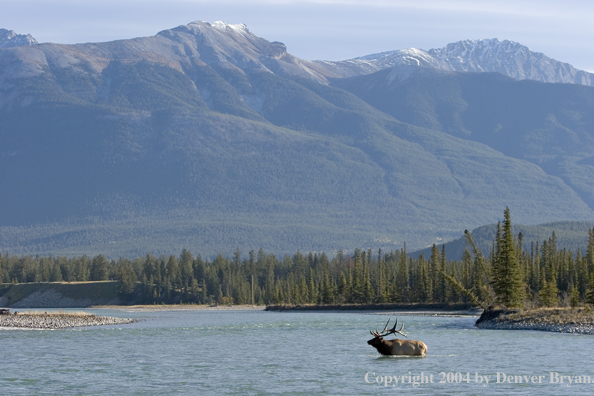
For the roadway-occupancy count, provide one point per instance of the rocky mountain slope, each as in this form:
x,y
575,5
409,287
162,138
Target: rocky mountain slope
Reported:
x,y
210,138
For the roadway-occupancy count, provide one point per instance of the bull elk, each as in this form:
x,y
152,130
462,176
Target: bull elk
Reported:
x,y
396,346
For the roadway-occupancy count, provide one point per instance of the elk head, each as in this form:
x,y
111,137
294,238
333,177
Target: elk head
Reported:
x,y
396,346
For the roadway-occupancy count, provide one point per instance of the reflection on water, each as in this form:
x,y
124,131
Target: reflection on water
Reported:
x,y
255,352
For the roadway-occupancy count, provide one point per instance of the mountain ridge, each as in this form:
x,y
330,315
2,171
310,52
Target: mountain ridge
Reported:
x,y
208,137
488,55
481,55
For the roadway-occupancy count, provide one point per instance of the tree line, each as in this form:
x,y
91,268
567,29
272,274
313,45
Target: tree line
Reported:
x,y
513,274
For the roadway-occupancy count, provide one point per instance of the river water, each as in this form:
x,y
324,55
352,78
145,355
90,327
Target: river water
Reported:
x,y
288,353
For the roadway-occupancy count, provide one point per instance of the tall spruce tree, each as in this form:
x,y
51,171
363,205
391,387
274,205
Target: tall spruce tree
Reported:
x,y
507,282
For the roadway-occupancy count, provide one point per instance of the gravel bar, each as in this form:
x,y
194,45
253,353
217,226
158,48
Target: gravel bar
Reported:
x,y
558,328
58,321
558,320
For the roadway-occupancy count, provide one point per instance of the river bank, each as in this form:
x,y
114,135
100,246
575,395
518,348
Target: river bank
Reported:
x,y
183,307
57,320
560,320
59,294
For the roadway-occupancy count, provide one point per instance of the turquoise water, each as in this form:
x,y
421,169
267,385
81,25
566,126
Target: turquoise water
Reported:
x,y
289,353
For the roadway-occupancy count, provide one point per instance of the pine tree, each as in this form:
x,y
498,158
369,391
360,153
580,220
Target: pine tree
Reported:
x,y
444,289
204,297
100,268
549,294
173,273
313,290
357,293
382,279
589,257
590,291
327,294
574,296
434,275
367,288
403,278
343,288
186,268
424,289
303,290
507,281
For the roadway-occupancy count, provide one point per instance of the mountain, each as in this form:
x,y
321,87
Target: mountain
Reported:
x,y
506,57
9,39
210,138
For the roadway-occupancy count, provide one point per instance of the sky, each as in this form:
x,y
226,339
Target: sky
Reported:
x,y
324,29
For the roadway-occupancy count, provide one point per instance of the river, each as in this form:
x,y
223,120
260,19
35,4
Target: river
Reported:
x,y
288,353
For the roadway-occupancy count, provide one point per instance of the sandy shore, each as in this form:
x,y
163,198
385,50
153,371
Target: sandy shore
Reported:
x,y
184,307
60,320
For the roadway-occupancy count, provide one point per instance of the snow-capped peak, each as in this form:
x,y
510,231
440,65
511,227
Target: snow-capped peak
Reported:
x,y
489,55
240,28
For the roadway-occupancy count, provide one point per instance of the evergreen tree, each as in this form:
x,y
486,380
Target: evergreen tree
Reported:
x,y
590,291
434,275
403,278
186,262
549,294
574,296
424,285
445,289
100,268
173,273
507,281
382,279
127,278
367,287
589,257
327,295
357,293
313,290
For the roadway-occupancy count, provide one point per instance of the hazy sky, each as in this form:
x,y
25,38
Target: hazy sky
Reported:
x,y
324,29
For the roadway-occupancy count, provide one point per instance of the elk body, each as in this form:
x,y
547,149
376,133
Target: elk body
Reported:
x,y
396,347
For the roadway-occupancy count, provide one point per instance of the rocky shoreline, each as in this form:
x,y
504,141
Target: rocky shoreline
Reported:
x,y
559,320
58,320
558,328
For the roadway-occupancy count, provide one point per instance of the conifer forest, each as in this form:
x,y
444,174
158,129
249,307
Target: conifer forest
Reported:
x,y
512,274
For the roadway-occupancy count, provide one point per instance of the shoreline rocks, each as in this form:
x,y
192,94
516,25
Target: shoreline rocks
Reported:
x,y
58,320
557,328
558,320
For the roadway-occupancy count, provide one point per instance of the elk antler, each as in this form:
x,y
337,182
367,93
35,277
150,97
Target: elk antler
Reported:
x,y
386,332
